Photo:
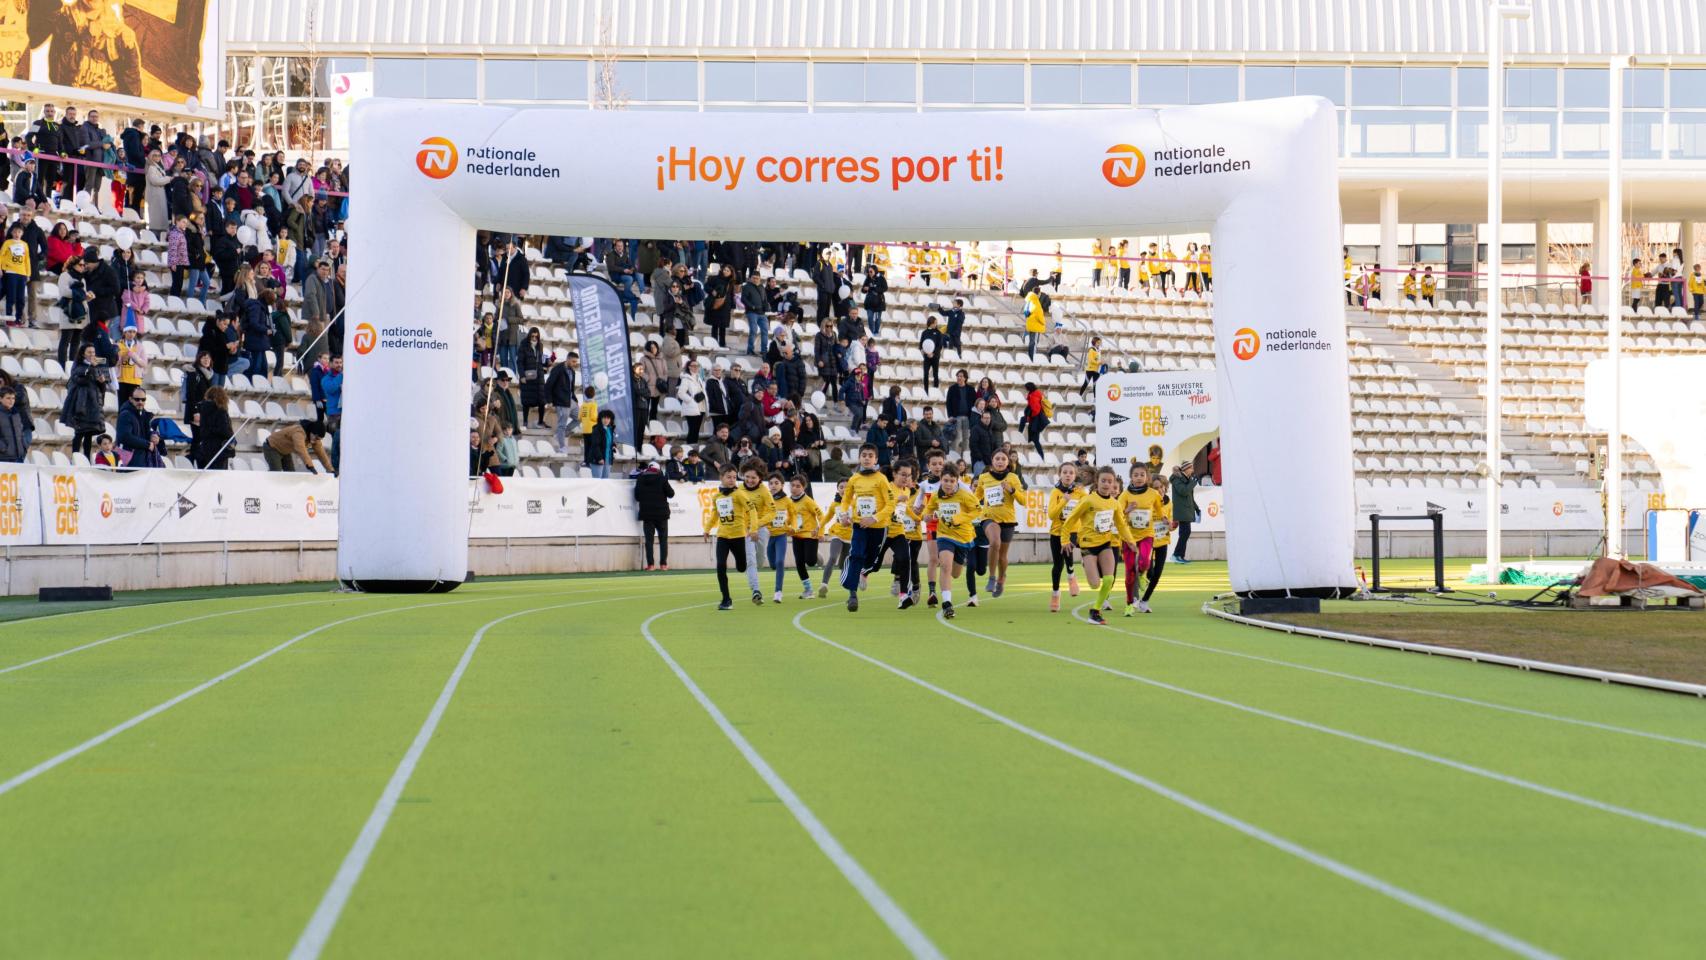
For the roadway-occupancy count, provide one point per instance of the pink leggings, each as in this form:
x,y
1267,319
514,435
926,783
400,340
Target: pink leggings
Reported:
x,y
1136,564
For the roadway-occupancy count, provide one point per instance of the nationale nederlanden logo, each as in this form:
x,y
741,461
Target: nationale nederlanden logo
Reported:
x,y
312,508
1124,165
366,338
1246,343
1114,391
437,158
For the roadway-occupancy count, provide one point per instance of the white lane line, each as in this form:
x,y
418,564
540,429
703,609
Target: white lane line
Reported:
x,y
916,941
1419,691
95,741
325,918
1436,910
1458,765
158,626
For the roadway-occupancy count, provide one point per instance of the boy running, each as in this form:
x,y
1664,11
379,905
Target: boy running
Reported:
x,y
731,518
954,509
762,505
872,504
839,535
932,479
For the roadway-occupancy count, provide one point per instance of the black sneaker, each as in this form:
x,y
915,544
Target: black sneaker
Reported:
x,y
726,605
757,598
947,611
1096,617
852,603
907,601
932,601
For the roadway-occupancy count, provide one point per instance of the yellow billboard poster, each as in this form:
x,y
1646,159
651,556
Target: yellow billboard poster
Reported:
x,y
159,50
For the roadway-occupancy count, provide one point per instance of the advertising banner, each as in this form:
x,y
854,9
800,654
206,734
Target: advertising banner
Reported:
x,y
347,89
20,505
603,331
162,55
90,505
1165,415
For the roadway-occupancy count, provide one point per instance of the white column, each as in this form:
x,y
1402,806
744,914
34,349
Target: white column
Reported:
x,y
1685,240
1546,283
1598,257
1614,319
1389,237
1494,260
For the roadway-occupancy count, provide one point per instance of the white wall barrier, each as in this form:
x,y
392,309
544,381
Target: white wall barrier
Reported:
x,y
85,505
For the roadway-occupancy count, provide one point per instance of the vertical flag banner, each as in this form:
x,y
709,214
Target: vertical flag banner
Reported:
x,y
347,89
603,332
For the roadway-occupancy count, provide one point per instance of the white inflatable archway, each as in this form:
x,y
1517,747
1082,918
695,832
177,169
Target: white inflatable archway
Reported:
x,y
1261,176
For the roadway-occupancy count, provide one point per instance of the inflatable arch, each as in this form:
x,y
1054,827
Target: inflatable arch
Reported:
x,y
1262,176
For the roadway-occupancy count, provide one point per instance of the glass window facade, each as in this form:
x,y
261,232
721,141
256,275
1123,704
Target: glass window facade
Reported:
x,y
1386,111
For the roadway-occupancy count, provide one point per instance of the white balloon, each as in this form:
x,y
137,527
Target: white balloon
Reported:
x,y
601,381
844,292
929,348
124,237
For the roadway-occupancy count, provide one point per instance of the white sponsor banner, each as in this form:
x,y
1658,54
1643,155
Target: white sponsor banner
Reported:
x,y
1169,414
20,505
1557,509
91,505
347,89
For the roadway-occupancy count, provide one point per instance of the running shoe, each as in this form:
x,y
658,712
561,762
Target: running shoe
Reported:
x,y
1072,583
1130,609
852,603
1180,560
758,598
864,581
908,600
1096,618
932,601
808,594
1054,604
948,611
1000,588
663,566
894,589
726,605
1143,606
972,602
989,587
823,592
777,598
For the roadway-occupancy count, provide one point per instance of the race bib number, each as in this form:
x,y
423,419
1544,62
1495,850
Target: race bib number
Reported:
x,y
1138,519
725,509
907,523
995,496
799,522
865,507
946,512
1066,511
1104,521
778,520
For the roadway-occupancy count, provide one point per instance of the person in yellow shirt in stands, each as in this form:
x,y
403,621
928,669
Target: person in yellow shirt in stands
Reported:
x,y
1096,263
1412,286
871,500
1059,265
1637,283
1092,365
1207,263
999,489
1430,285
942,270
1145,267
778,530
1140,504
132,364
1062,500
955,511
1123,262
1350,287
1696,293
15,272
838,533
878,256
730,517
1101,527
1193,270
805,520
1168,261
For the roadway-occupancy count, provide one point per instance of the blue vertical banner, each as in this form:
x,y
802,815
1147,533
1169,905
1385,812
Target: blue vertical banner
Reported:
x,y
603,332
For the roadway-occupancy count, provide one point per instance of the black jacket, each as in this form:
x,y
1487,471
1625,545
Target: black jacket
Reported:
x,y
12,434
962,400
652,494
560,387
984,441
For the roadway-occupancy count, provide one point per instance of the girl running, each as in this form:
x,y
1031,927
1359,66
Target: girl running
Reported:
x,y
1163,536
762,506
1102,528
955,511
839,535
902,524
1062,500
1139,504
731,518
804,528
781,522
999,488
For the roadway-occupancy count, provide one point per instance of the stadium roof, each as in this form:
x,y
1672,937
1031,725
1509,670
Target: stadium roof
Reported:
x,y
1382,30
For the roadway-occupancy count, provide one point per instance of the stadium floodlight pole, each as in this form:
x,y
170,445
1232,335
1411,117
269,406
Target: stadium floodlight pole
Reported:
x,y
1497,14
1613,476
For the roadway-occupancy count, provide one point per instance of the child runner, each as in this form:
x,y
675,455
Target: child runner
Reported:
x,y
1102,528
1163,535
758,501
804,528
932,479
781,523
999,487
1062,500
1140,505
838,533
871,500
902,535
954,509
731,518
1092,365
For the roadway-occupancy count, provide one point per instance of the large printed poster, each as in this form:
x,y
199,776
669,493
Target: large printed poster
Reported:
x,y
1165,415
